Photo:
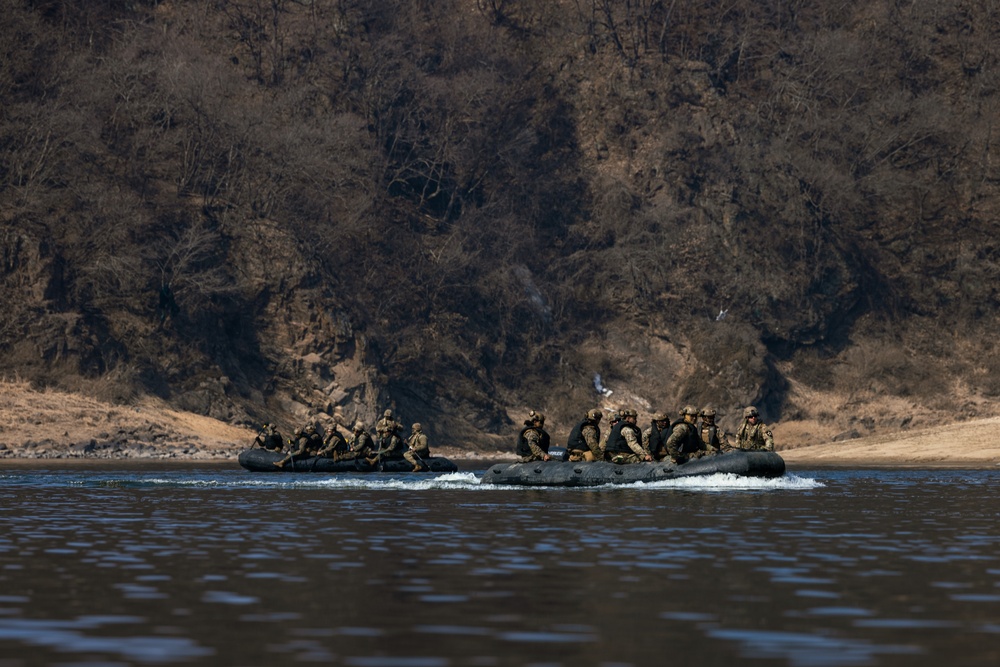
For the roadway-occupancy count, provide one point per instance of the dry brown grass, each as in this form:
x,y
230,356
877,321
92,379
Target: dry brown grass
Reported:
x,y
65,418
970,444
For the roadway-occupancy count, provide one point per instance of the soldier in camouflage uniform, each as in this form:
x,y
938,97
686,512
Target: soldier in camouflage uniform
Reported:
x,y
684,441
716,440
334,446
654,438
269,438
417,449
625,441
361,443
384,426
533,441
390,445
584,442
306,441
754,434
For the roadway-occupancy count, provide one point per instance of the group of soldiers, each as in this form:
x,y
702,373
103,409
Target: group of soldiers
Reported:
x,y
679,441
314,440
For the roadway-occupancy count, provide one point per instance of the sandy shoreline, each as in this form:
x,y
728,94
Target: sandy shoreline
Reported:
x,y
48,425
972,444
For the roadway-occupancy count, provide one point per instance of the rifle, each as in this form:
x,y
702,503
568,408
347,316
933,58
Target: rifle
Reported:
x,y
379,451
409,448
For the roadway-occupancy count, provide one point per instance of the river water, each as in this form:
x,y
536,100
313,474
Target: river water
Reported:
x,y
120,564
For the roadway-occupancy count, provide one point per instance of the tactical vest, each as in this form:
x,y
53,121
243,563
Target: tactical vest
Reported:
x,y
311,442
361,443
710,436
336,443
522,445
576,440
616,441
752,436
691,442
657,441
392,446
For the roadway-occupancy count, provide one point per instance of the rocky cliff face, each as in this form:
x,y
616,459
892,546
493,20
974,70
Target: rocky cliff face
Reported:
x,y
468,210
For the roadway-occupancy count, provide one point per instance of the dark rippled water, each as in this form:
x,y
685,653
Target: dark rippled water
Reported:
x,y
113,565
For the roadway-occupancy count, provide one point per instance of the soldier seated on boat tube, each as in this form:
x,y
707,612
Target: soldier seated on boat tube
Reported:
x,y
716,440
306,441
334,446
390,445
584,442
625,441
384,426
654,437
361,443
753,433
269,438
684,442
417,448
533,441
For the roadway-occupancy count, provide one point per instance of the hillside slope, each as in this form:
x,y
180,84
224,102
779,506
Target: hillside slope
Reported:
x,y
465,210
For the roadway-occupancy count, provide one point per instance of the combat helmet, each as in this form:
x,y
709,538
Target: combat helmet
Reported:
x,y
660,417
750,411
708,411
689,410
594,415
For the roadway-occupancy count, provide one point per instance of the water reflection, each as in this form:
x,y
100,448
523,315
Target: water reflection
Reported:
x,y
217,566
81,636
809,649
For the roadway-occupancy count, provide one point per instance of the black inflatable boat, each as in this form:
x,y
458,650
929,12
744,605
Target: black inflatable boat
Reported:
x,y
263,460
566,473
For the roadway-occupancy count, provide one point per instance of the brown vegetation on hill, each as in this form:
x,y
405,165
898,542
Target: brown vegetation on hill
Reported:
x,y
252,210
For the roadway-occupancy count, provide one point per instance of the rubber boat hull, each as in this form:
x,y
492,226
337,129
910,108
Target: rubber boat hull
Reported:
x,y
565,473
263,460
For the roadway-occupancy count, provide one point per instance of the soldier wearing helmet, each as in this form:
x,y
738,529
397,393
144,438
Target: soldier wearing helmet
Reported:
x,y
716,440
334,445
625,441
306,442
269,438
389,446
533,441
584,442
654,437
361,444
684,442
753,433
385,425
417,449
